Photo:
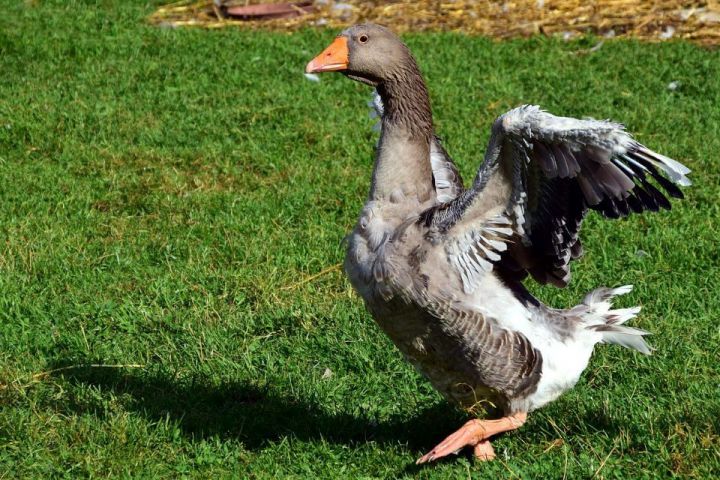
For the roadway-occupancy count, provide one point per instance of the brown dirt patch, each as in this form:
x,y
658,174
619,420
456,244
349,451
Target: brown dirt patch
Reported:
x,y
697,21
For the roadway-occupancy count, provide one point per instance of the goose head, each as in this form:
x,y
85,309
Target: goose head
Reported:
x,y
367,53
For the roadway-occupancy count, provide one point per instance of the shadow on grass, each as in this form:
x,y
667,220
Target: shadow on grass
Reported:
x,y
255,416
259,416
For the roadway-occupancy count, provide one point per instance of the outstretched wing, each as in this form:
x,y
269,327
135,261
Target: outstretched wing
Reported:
x,y
447,179
540,175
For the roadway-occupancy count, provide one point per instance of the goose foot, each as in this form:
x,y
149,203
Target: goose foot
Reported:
x,y
475,433
484,451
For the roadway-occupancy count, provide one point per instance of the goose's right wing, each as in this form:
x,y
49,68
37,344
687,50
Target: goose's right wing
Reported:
x,y
540,176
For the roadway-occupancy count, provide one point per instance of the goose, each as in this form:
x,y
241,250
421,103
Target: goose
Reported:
x,y
441,267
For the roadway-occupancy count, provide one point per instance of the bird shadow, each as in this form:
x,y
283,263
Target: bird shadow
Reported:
x,y
257,416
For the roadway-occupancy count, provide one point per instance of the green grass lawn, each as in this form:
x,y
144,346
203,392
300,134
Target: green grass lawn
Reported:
x,y
165,194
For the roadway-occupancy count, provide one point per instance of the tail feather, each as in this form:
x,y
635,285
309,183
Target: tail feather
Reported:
x,y
609,323
629,338
621,315
603,294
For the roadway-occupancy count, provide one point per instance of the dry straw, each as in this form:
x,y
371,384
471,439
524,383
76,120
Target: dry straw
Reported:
x,y
698,21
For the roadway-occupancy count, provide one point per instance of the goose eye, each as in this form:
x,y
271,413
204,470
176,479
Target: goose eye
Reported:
x,y
363,39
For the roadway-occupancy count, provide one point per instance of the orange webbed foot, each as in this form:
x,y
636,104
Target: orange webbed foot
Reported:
x,y
475,433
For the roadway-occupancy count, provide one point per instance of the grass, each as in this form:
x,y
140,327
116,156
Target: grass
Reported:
x,y
165,193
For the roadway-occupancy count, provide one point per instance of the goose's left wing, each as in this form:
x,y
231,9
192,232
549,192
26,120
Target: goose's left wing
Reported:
x,y
540,175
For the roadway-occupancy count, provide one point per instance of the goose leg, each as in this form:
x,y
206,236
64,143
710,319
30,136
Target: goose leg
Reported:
x,y
475,433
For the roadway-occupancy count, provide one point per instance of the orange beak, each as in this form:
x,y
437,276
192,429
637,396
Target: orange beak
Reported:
x,y
334,58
